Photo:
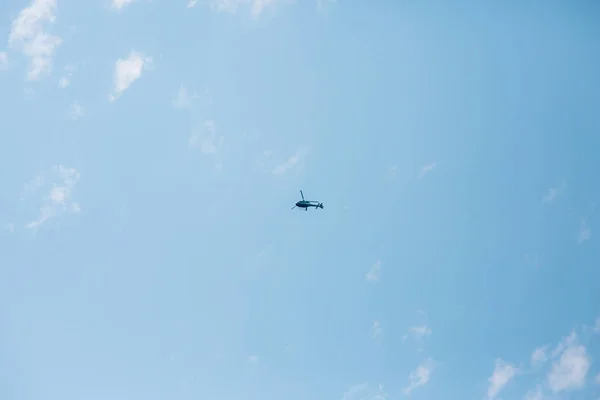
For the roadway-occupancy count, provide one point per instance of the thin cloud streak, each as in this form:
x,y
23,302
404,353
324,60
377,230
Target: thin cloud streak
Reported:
x,y
427,169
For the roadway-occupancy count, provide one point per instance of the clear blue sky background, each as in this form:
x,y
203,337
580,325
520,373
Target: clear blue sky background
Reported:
x,y
148,248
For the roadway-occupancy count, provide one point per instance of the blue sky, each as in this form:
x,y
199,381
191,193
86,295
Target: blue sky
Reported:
x,y
152,151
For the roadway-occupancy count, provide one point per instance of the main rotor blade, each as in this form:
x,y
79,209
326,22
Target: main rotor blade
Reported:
x,y
293,207
302,194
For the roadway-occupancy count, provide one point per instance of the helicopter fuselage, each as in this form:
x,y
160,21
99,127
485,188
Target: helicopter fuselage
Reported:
x,y
307,203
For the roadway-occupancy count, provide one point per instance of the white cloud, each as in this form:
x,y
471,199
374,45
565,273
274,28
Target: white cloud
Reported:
x,y
427,169
204,136
65,80
259,5
535,394
597,379
231,6
127,71
553,193
206,139
351,393
76,111
191,101
119,4
539,356
377,330
183,99
290,163
3,61
570,370
29,36
61,182
418,333
365,391
253,359
565,342
381,394
191,3
420,376
502,375
420,330
225,5
374,273
362,391
32,186
584,232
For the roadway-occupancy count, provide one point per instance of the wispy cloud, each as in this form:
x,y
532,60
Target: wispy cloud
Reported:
x,y
29,36
288,164
364,391
183,99
205,138
585,233
570,370
76,111
189,101
381,394
258,6
374,273
127,71
65,80
539,356
120,4
536,394
61,182
253,359
552,193
191,3
355,390
418,334
231,6
427,169
502,375
565,342
376,330
3,61
420,376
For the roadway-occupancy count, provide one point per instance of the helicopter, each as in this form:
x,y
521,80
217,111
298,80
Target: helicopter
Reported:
x,y
307,203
